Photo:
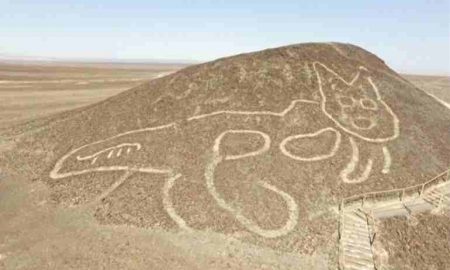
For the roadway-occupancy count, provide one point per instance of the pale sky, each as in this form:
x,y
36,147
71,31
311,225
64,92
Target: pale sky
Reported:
x,y
411,36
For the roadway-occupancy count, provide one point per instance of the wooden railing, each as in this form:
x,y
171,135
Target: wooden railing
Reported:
x,y
399,193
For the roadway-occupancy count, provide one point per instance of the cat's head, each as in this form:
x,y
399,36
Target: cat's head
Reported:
x,y
356,106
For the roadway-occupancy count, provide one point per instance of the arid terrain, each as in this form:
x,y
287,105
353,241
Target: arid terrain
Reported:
x,y
29,90
439,86
238,163
421,242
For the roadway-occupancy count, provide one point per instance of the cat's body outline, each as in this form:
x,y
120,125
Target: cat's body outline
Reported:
x,y
173,175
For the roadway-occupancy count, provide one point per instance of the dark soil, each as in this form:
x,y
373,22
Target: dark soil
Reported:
x,y
419,244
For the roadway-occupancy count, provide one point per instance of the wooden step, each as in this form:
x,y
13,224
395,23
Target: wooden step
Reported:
x,y
355,218
363,241
358,231
433,202
435,196
420,207
366,260
351,266
355,224
355,232
390,213
358,244
358,251
359,237
396,205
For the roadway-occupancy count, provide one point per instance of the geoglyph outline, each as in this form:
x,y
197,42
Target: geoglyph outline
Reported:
x,y
172,176
94,156
332,152
377,94
351,166
291,222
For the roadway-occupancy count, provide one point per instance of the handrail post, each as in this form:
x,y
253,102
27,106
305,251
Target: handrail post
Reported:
x,y
421,191
341,255
372,238
441,200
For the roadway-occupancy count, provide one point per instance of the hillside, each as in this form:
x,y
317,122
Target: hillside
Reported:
x,y
260,147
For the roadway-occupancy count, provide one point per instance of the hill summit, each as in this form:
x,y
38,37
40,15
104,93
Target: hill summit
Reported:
x,y
260,146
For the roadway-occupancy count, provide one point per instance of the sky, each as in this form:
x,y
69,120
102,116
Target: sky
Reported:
x,y
411,36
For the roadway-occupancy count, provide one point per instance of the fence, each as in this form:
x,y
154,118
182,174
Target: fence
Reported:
x,y
398,193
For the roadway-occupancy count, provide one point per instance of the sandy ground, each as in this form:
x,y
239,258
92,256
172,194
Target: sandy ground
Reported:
x,y
36,234
438,86
36,89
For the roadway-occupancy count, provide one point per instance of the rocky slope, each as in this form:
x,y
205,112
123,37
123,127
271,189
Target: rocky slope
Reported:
x,y
259,146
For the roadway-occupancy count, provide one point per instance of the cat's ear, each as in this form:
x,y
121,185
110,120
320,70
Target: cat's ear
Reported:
x,y
325,76
364,84
329,81
363,75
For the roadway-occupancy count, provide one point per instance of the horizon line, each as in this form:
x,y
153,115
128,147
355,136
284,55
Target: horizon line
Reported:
x,y
14,59
33,58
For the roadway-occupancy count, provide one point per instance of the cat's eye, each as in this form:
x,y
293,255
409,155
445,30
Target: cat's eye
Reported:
x,y
368,104
361,122
345,101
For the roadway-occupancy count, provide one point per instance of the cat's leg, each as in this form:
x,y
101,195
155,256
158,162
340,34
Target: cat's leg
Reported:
x,y
219,156
249,224
387,160
168,203
351,173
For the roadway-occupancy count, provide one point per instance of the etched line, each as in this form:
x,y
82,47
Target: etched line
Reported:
x,y
351,166
93,161
282,113
168,205
387,160
112,188
311,135
261,150
247,223
56,174
396,129
111,149
308,73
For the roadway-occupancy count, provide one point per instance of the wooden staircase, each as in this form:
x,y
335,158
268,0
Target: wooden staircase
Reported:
x,y
439,196
357,214
356,247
